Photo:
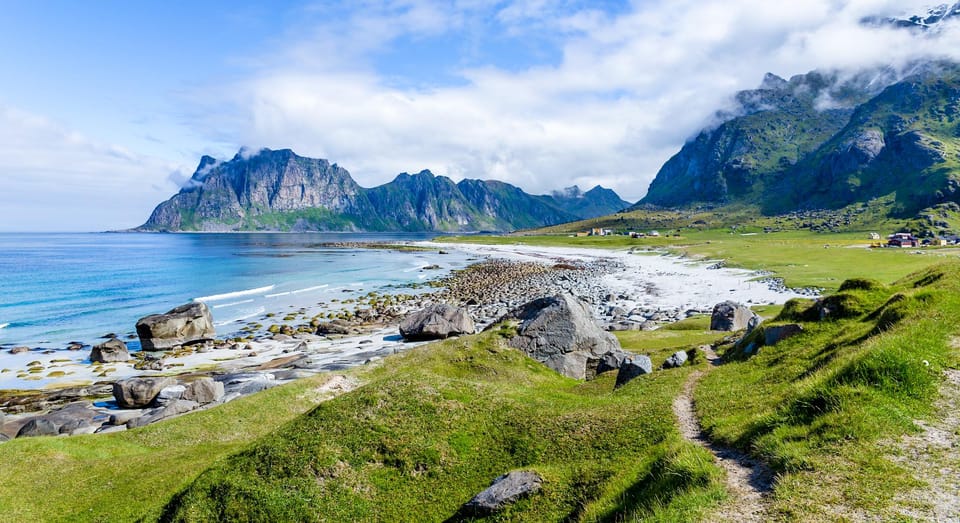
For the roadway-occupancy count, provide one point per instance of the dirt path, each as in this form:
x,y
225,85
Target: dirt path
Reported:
x,y
748,480
933,457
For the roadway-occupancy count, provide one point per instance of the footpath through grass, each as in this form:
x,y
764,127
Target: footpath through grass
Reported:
x,y
434,426
818,407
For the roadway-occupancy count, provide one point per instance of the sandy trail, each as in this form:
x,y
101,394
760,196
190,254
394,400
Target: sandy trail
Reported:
x,y
933,456
748,480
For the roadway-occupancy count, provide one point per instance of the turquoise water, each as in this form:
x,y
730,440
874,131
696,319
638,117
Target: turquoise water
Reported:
x,y
57,288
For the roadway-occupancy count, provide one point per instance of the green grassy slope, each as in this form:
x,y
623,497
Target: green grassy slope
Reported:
x,y
434,426
130,475
820,406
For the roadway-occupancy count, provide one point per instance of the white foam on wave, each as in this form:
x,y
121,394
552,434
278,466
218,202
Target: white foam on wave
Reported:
x,y
233,303
229,295
257,312
277,294
308,289
4,325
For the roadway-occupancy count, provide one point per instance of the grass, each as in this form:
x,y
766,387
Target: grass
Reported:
x,y
436,425
130,475
817,406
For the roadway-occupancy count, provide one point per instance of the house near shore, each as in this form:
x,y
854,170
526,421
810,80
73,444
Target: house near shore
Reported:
x,y
874,236
902,239
935,242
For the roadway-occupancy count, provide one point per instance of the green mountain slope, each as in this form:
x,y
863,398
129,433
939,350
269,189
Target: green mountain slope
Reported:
x,y
825,141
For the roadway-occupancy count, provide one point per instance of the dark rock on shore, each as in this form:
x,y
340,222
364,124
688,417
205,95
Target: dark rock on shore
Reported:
x,y
503,491
437,322
19,350
184,324
135,393
110,351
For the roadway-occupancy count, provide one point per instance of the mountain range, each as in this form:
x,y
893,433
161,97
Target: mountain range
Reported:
x,y
278,190
825,140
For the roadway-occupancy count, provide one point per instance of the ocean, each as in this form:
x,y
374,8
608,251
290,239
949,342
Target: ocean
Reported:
x,y
60,288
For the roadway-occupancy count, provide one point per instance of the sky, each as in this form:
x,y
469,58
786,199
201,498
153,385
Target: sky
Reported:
x,y
106,107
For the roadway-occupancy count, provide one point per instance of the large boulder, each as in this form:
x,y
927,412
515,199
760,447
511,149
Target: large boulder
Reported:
x,y
631,368
174,408
576,365
731,316
136,393
775,334
437,322
612,360
38,427
184,324
204,390
554,326
110,351
503,491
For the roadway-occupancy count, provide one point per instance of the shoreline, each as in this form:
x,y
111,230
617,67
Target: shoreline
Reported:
x,y
626,289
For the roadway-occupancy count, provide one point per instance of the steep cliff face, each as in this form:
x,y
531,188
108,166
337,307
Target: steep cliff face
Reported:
x,y
825,141
279,190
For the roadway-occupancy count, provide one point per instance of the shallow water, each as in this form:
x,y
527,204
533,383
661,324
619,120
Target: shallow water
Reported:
x,y
58,288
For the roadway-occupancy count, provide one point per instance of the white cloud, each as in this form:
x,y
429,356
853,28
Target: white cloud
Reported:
x,y
629,89
55,179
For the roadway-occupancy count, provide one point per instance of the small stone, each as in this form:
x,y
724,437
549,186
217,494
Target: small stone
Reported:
x,y
631,368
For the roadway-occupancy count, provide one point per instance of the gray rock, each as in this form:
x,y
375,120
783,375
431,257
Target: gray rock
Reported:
x,y
184,324
677,359
174,408
775,334
107,429
730,316
437,322
612,360
753,323
4,437
135,393
503,491
204,390
250,387
38,427
631,368
122,417
110,351
572,364
19,350
169,394
558,325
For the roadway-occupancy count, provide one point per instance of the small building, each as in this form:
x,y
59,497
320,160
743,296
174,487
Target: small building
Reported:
x,y
874,236
634,234
654,234
902,239
597,231
582,234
